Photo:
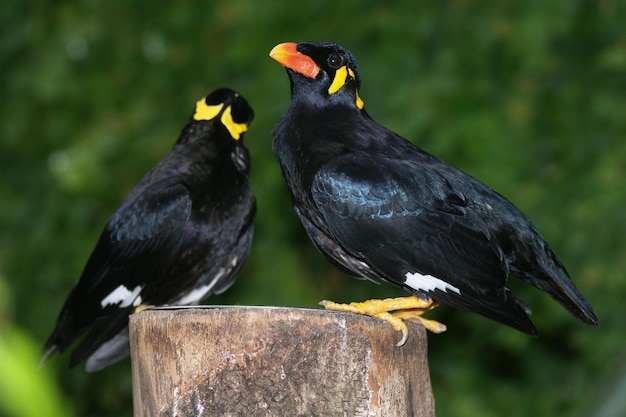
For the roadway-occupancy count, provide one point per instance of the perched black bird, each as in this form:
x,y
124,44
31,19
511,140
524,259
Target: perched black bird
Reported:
x,y
182,234
381,208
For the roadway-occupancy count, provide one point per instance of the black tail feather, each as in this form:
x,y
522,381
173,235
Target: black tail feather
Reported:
x,y
548,274
103,330
566,294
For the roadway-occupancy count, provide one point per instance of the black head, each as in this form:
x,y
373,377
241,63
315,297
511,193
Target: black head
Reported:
x,y
325,69
226,107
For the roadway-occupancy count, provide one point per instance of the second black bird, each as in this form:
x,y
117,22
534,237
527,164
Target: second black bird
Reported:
x,y
182,234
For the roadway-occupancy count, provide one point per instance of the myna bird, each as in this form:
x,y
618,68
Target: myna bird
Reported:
x,y
380,208
182,234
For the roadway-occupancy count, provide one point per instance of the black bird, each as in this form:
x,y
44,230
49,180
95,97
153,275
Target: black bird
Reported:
x,y
182,234
381,208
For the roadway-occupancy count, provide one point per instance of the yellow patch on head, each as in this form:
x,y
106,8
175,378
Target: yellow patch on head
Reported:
x,y
340,79
235,129
206,112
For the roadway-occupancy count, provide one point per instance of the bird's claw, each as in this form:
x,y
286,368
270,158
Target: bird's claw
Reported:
x,y
406,308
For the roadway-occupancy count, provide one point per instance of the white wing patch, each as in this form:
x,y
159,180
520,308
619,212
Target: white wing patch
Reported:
x,y
195,296
421,282
137,301
124,296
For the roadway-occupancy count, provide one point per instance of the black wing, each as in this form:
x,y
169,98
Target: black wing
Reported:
x,y
140,240
412,225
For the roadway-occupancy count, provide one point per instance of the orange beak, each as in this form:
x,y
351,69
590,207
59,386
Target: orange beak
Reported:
x,y
287,56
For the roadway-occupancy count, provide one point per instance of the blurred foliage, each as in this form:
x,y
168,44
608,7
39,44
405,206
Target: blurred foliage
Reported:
x,y
19,379
527,96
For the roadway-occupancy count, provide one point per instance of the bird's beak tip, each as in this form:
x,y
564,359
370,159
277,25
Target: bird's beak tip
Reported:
x,y
287,55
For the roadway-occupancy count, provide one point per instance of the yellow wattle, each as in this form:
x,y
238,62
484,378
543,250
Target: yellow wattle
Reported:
x,y
206,112
235,129
340,79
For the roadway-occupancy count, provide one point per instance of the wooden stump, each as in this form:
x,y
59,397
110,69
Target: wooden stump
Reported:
x,y
269,361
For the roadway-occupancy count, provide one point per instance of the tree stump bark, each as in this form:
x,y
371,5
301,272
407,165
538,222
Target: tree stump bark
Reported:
x,y
270,361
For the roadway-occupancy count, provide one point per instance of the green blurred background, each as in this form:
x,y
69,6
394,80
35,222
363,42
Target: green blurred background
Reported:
x,y
528,96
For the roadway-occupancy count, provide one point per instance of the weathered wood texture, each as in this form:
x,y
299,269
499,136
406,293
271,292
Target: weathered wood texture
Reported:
x,y
268,361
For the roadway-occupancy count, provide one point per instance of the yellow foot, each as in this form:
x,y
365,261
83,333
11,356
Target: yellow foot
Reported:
x,y
416,317
406,308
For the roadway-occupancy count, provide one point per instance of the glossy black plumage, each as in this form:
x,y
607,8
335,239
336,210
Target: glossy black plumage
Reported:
x,y
182,234
381,208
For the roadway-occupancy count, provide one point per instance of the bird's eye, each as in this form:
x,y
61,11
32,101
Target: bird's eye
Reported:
x,y
335,61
